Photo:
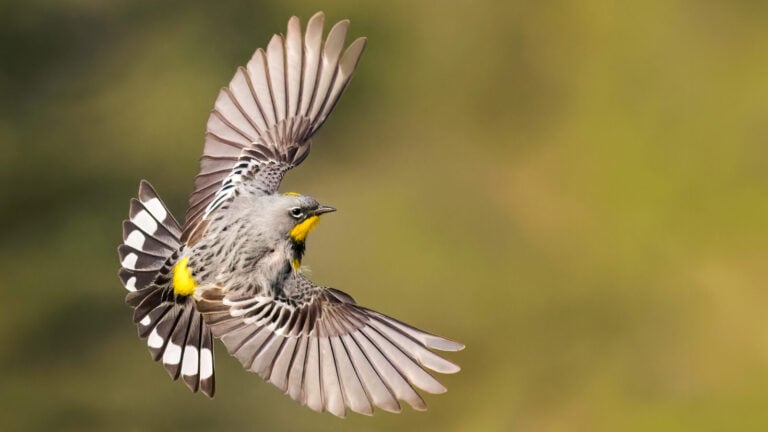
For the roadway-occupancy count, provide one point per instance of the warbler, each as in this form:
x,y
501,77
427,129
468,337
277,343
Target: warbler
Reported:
x,y
233,269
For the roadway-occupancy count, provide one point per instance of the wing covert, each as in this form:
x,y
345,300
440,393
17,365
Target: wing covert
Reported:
x,y
262,122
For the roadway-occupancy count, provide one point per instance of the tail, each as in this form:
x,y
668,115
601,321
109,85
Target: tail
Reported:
x,y
175,331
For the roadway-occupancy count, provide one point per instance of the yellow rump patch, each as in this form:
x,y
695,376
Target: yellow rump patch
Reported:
x,y
183,283
300,231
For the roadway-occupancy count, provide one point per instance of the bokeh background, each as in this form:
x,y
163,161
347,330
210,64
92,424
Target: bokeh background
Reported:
x,y
576,190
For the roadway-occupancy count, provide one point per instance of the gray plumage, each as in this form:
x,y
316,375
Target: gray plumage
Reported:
x,y
242,245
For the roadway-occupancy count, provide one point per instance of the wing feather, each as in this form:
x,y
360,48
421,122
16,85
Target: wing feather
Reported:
x,y
297,370
389,374
282,363
323,350
293,66
328,64
353,391
257,72
313,390
234,116
375,387
334,401
241,90
227,128
313,41
275,61
346,67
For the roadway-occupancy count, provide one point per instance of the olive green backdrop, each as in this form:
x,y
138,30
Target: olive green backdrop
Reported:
x,y
576,190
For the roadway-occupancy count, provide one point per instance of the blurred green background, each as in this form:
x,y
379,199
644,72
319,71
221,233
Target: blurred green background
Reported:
x,y
576,190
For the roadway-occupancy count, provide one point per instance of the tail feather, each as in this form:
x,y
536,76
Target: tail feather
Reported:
x,y
151,202
174,329
136,280
134,259
160,336
190,360
163,229
135,237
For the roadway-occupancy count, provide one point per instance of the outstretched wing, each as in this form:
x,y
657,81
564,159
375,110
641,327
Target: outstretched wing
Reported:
x,y
261,124
325,351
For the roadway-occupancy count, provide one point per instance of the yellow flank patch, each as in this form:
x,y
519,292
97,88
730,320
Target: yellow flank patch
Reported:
x,y
300,231
292,193
183,284
295,263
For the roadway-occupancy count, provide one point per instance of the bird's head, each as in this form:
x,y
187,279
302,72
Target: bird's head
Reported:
x,y
301,214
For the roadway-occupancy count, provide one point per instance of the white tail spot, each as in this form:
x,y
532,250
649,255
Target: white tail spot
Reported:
x,y
206,363
130,284
172,354
145,321
189,364
129,261
156,208
145,221
154,340
136,240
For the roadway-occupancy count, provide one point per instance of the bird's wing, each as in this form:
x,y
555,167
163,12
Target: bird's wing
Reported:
x,y
261,124
325,351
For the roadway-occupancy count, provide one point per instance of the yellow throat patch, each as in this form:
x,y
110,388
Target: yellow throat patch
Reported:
x,y
183,283
300,231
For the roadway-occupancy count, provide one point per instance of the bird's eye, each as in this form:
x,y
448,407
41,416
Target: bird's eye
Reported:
x,y
296,212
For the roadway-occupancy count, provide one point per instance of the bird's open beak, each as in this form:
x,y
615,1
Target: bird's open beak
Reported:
x,y
323,209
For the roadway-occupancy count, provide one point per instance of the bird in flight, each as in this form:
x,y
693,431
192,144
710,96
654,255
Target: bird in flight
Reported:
x,y
233,269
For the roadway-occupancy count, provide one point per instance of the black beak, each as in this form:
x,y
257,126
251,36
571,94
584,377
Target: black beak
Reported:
x,y
323,209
